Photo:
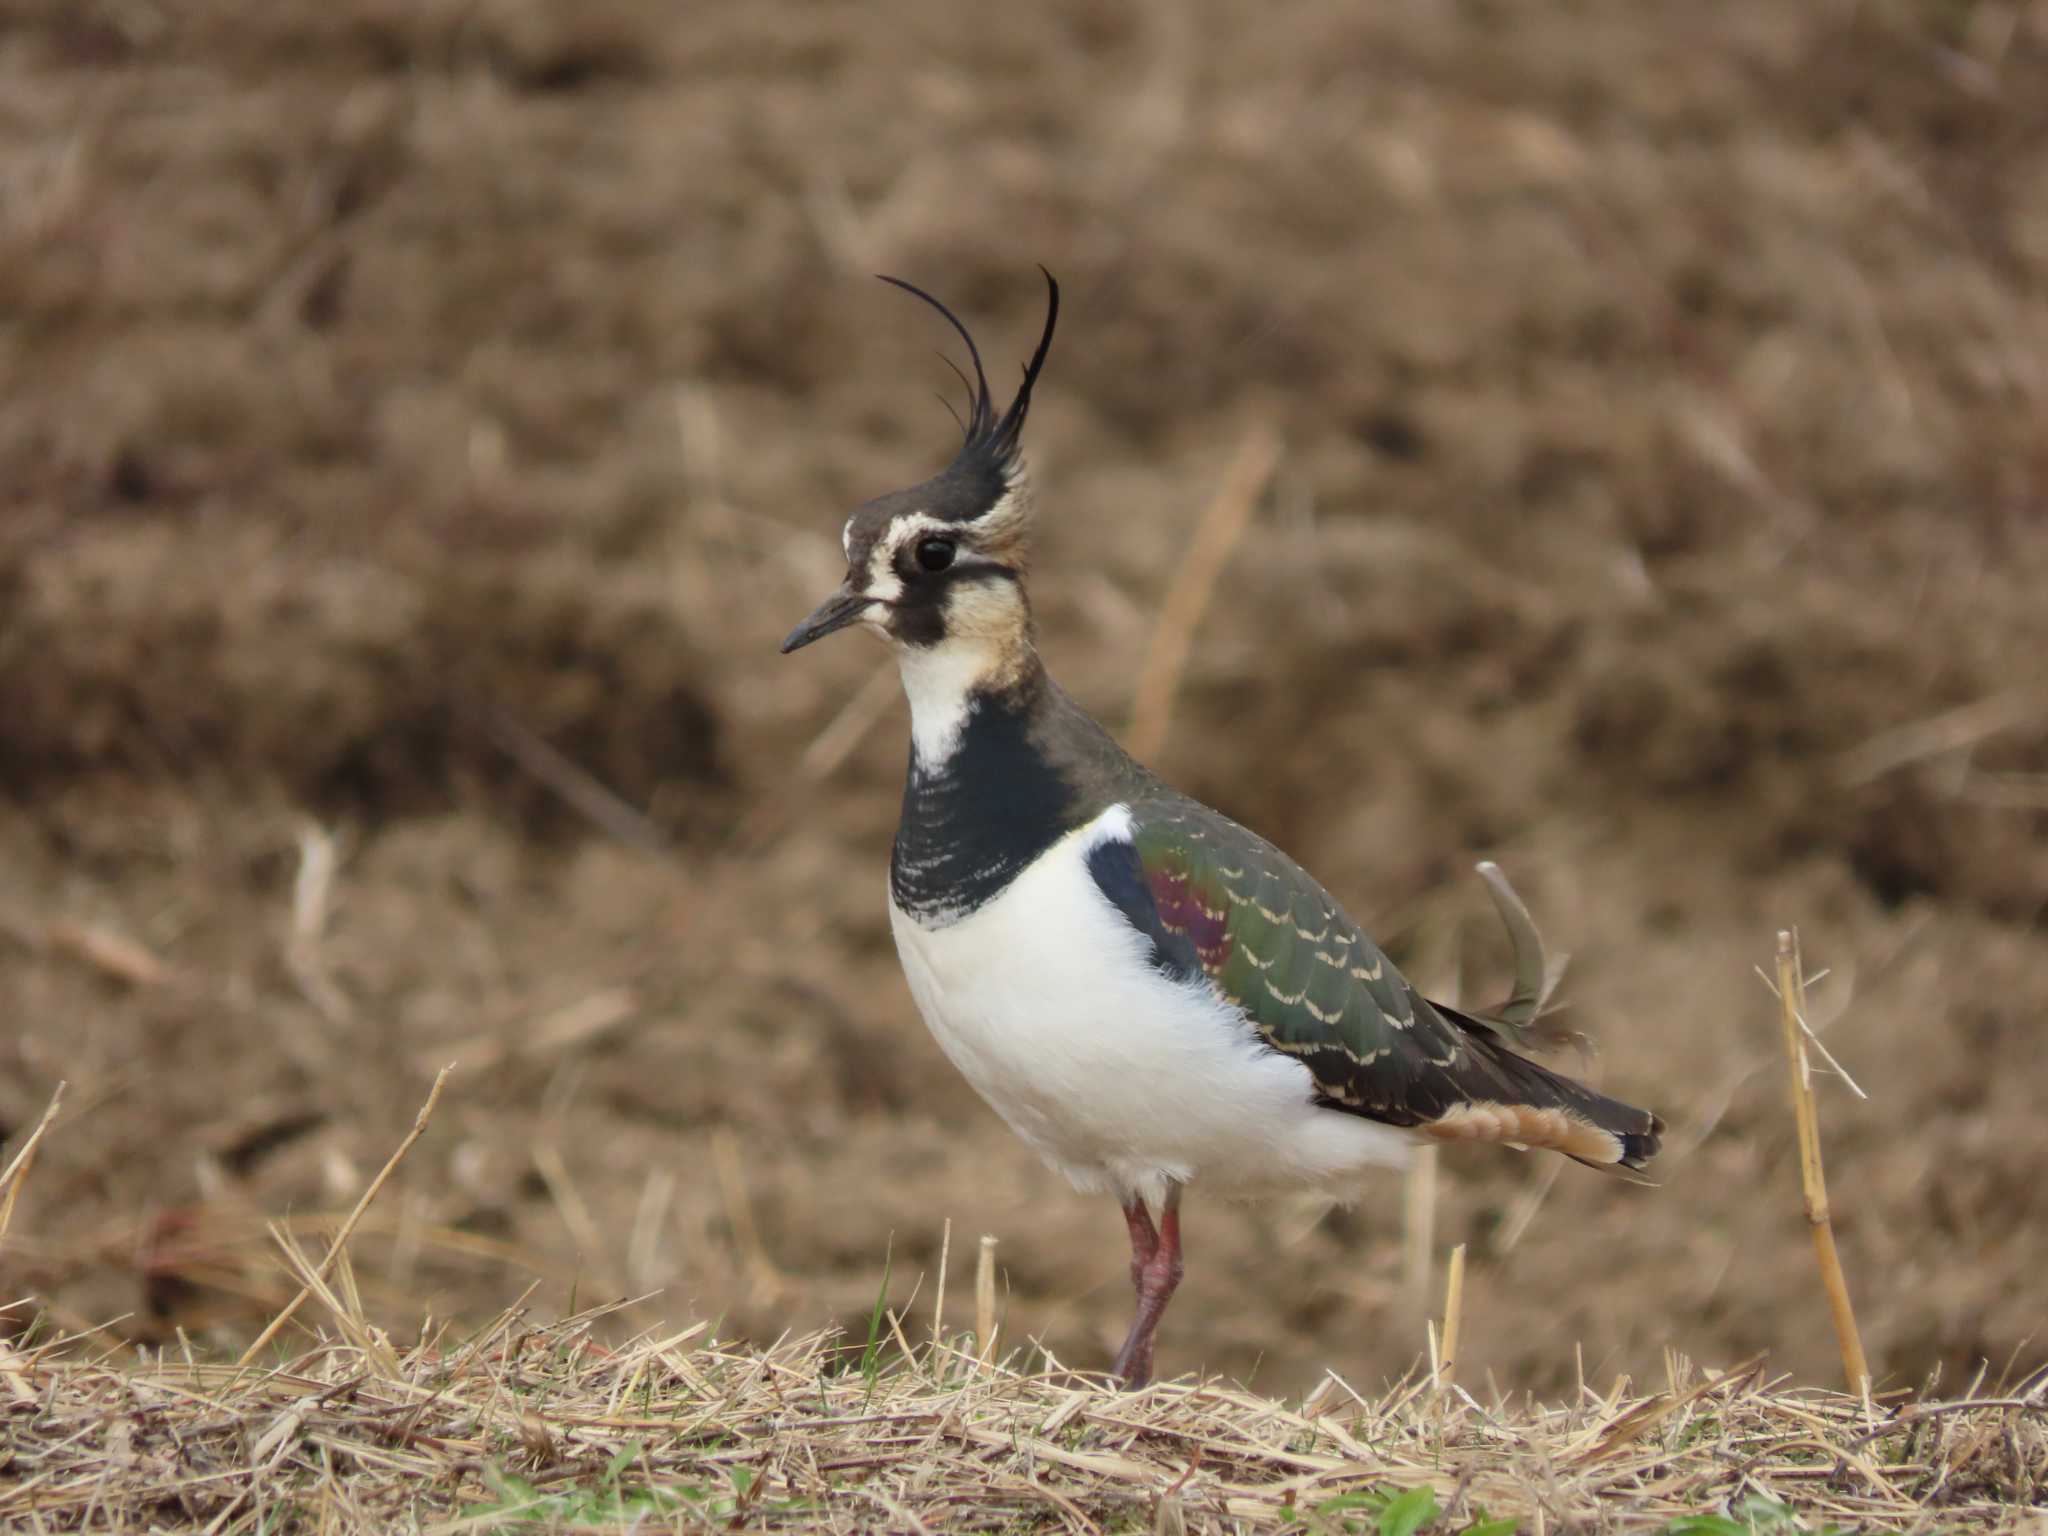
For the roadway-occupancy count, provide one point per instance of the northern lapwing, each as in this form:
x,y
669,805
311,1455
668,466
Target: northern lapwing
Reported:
x,y
1151,995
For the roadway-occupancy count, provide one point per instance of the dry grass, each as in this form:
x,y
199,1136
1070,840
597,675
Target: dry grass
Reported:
x,y
1812,1179
545,1428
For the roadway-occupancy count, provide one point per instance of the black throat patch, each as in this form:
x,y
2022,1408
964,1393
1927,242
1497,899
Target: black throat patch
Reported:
x,y
972,824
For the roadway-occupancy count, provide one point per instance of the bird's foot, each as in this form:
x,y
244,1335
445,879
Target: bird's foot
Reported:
x,y
1133,1366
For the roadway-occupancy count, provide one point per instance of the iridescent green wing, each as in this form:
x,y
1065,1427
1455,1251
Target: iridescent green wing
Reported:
x,y
1224,908
1229,906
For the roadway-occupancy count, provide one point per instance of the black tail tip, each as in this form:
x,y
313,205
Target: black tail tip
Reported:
x,y
1639,1147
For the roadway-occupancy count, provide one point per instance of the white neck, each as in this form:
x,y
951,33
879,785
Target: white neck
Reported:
x,y
939,681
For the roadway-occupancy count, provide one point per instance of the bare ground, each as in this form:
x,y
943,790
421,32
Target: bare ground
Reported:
x,y
419,414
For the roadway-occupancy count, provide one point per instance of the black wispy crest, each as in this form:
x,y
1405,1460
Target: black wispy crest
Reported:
x,y
991,442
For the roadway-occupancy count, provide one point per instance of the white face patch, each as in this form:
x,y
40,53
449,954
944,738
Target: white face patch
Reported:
x,y
846,539
984,646
940,683
985,629
883,584
905,533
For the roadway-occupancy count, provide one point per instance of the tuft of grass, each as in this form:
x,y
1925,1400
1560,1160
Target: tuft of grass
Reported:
x,y
614,1501
1397,1512
871,1353
1756,1515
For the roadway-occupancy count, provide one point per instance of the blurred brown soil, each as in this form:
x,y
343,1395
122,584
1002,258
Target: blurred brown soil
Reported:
x,y
423,420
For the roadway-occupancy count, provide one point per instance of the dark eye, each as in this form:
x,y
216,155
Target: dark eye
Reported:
x,y
935,554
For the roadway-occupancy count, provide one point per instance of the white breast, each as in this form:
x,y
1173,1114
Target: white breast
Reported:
x,y
1121,1077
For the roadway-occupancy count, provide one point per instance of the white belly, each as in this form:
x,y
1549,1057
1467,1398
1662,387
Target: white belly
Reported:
x,y
1121,1077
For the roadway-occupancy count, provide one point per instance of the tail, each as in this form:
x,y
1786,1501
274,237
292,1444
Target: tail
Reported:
x,y
1511,1100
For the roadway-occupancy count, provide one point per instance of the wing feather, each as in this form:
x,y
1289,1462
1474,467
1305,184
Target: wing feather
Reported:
x,y
1222,906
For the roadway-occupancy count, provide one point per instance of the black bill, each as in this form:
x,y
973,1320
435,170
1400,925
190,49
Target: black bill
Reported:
x,y
842,608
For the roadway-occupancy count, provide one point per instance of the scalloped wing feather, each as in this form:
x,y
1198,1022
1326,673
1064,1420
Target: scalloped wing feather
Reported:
x,y
1229,907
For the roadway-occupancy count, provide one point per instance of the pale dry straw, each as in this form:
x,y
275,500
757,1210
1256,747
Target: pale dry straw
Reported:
x,y
548,1427
1812,1178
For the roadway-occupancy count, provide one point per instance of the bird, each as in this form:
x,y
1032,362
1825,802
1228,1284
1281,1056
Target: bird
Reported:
x,y
1152,996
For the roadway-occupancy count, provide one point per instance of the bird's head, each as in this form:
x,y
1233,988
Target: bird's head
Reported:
x,y
943,562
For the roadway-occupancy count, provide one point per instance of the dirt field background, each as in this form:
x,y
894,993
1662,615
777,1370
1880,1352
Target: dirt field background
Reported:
x,y
420,415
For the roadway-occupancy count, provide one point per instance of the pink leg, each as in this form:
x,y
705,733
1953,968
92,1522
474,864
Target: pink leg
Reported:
x,y
1144,1240
1155,1272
